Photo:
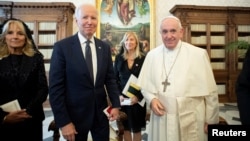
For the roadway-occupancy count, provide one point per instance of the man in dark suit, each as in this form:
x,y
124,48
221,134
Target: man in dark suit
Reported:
x,y
243,91
76,98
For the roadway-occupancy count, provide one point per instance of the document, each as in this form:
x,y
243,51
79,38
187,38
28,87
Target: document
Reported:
x,y
126,101
169,103
107,110
131,89
11,106
132,79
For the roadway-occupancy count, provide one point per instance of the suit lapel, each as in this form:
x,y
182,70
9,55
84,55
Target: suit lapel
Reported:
x,y
99,54
77,51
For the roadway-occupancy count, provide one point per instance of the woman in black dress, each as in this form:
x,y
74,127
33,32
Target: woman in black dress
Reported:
x,y
22,78
129,61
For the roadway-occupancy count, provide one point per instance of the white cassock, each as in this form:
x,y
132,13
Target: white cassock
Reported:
x,y
190,100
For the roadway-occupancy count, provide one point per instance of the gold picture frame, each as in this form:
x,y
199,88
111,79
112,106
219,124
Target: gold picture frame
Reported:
x,y
115,18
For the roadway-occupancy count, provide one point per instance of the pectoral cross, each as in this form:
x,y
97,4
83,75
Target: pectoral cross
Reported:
x,y
165,83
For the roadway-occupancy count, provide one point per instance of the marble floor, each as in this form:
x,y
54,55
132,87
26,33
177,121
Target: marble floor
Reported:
x,y
228,111
47,135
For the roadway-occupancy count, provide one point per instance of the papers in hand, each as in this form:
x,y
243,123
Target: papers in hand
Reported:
x,y
131,89
11,106
126,101
107,111
169,103
132,79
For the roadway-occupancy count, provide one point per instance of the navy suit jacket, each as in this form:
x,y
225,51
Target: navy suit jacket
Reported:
x,y
72,94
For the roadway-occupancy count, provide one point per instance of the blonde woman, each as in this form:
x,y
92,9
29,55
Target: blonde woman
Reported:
x,y
129,61
22,78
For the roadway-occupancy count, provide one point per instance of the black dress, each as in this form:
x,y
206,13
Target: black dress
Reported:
x,y
23,78
136,114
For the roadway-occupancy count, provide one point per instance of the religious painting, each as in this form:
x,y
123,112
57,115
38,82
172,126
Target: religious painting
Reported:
x,y
120,16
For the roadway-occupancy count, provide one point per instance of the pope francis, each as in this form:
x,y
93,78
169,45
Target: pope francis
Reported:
x,y
177,82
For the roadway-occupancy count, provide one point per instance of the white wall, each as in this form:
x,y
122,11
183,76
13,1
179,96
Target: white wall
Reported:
x,y
162,8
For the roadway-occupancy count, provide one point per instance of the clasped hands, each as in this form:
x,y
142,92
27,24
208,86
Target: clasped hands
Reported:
x,y
17,116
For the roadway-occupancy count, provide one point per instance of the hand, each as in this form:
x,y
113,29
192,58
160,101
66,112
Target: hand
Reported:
x,y
157,107
114,114
206,128
121,98
134,100
17,116
68,132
